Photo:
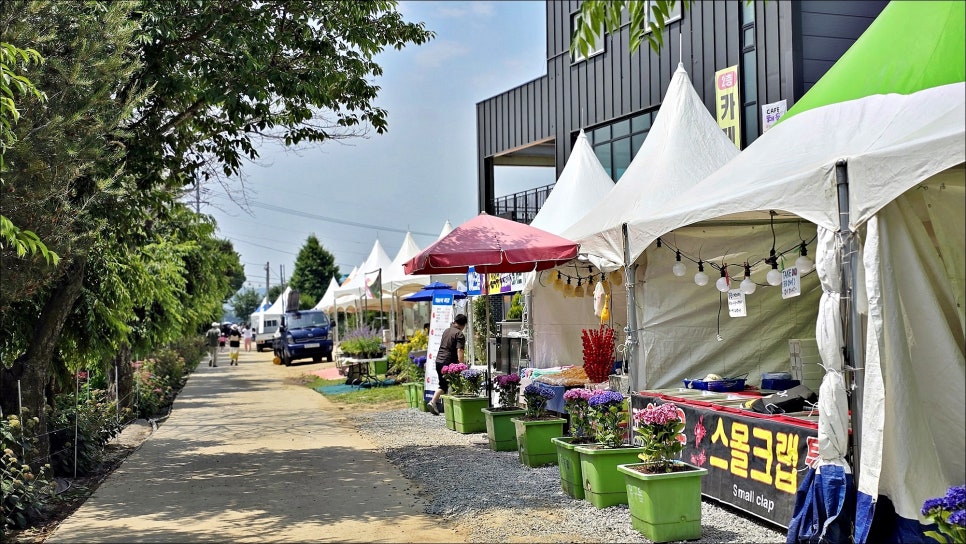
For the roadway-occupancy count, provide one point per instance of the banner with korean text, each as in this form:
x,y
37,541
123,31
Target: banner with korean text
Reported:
x,y
754,463
440,318
728,109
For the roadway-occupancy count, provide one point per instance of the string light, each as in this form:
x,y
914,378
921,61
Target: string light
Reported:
x,y
617,278
747,286
803,263
579,290
568,289
678,269
724,282
701,278
774,276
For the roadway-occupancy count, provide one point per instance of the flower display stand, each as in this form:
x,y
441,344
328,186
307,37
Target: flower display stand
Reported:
x,y
467,414
500,431
667,506
568,460
448,411
535,440
603,484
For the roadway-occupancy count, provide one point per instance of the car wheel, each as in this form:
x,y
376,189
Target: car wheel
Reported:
x,y
328,356
287,361
317,359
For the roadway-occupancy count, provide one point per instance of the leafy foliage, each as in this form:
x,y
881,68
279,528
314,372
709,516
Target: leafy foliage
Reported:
x,y
362,342
314,266
403,362
245,302
96,423
23,489
607,14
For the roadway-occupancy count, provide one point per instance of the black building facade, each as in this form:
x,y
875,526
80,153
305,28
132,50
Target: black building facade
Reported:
x,y
781,49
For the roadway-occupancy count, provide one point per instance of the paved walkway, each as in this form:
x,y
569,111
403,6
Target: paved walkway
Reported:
x,y
249,456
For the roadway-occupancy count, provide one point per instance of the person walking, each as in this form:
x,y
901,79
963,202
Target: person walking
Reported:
x,y
452,349
212,337
234,345
247,337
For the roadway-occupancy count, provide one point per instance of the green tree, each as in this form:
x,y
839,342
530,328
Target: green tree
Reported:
x,y
608,14
314,267
245,302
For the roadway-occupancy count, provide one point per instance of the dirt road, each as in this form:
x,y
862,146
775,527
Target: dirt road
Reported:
x,y
248,455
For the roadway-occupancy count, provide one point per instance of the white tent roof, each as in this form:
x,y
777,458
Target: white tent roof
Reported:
x,y
683,146
447,228
582,184
328,299
377,259
279,304
396,276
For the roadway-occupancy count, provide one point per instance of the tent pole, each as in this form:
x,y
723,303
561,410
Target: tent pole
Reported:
x,y
630,346
853,325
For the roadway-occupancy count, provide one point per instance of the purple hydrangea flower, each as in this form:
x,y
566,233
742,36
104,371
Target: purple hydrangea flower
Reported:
x,y
606,398
958,518
931,504
955,498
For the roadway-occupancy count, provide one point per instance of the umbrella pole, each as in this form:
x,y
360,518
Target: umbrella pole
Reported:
x,y
486,343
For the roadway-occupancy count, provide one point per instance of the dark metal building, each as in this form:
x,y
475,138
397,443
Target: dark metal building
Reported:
x,y
781,48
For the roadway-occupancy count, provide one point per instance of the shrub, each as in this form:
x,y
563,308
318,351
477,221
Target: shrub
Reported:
x,y
23,488
363,342
97,424
537,397
608,417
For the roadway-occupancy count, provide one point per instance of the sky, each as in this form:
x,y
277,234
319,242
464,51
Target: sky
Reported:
x,y
415,177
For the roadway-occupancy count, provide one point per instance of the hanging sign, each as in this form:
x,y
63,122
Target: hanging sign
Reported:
x,y
440,318
771,113
791,282
736,303
474,282
728,108
505,283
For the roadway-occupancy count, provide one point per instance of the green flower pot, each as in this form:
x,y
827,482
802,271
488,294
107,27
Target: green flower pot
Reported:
x,y
411,394
568,460
667,506
603,483
448,411
534,440
500,431
420,397
467,414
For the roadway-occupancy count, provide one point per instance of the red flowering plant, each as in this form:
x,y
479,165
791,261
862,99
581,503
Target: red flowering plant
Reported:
x,y
454,376
598,352
661,429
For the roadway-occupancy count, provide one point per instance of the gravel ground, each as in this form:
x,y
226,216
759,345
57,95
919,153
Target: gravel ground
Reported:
x,y
492,497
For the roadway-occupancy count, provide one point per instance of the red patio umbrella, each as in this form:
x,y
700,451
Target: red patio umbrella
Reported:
x,y
493,245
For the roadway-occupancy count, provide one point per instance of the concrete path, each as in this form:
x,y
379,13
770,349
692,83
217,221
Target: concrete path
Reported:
x,y
249,456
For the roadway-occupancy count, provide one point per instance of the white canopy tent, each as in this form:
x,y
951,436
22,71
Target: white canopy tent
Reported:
x,y
328,299
555,320
882,177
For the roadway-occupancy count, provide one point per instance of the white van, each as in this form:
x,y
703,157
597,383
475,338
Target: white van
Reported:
x,y
265,326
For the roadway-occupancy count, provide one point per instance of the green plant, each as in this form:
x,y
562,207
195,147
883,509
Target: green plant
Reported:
x,y
480,332
515,312
949,514
362,342
661,428
96,424
404,364
23,488
608,417
537,396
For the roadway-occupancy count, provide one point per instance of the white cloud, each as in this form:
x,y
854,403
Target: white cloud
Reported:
x,y
437,52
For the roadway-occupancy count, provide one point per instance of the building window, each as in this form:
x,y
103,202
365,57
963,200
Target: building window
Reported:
x,y
615,144
673,16
598,41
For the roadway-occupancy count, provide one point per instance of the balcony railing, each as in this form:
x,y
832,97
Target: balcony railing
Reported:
x,y
523,206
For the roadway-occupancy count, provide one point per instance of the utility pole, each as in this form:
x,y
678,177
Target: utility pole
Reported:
x,y
281,273
197,196
266,279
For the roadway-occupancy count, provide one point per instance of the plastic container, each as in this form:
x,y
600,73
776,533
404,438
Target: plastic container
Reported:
x,y
719,386
778,384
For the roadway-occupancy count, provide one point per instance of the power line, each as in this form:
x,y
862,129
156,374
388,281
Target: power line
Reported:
x,y
307,215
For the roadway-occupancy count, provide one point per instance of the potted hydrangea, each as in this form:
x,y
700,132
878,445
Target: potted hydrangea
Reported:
x,y
581,432
467,404
949,514
603,484
454,377
500,431
665,493
536,428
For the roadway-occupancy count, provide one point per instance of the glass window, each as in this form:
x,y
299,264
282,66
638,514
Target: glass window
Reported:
x,y
748,36
637,141
603,153
622,156
750,121
749,82
747,12
621,128
641,122
598,42
673,16
601,135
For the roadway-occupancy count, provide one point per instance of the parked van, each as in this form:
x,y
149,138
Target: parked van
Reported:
x,y
265,325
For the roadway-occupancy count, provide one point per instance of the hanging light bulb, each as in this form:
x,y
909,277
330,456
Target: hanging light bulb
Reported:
x,y
774,276
568,289
747,286
616,277
679,269
724,282
579,290
803,263
701,278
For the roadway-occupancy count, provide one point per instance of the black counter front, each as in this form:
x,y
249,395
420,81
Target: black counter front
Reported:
x,y
754,461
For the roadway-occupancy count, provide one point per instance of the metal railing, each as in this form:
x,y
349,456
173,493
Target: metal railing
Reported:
x,y
523,206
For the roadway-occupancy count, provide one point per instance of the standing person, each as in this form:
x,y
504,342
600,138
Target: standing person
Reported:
x,y
223,337
254,333
234,345
212,337
451,350
247,337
